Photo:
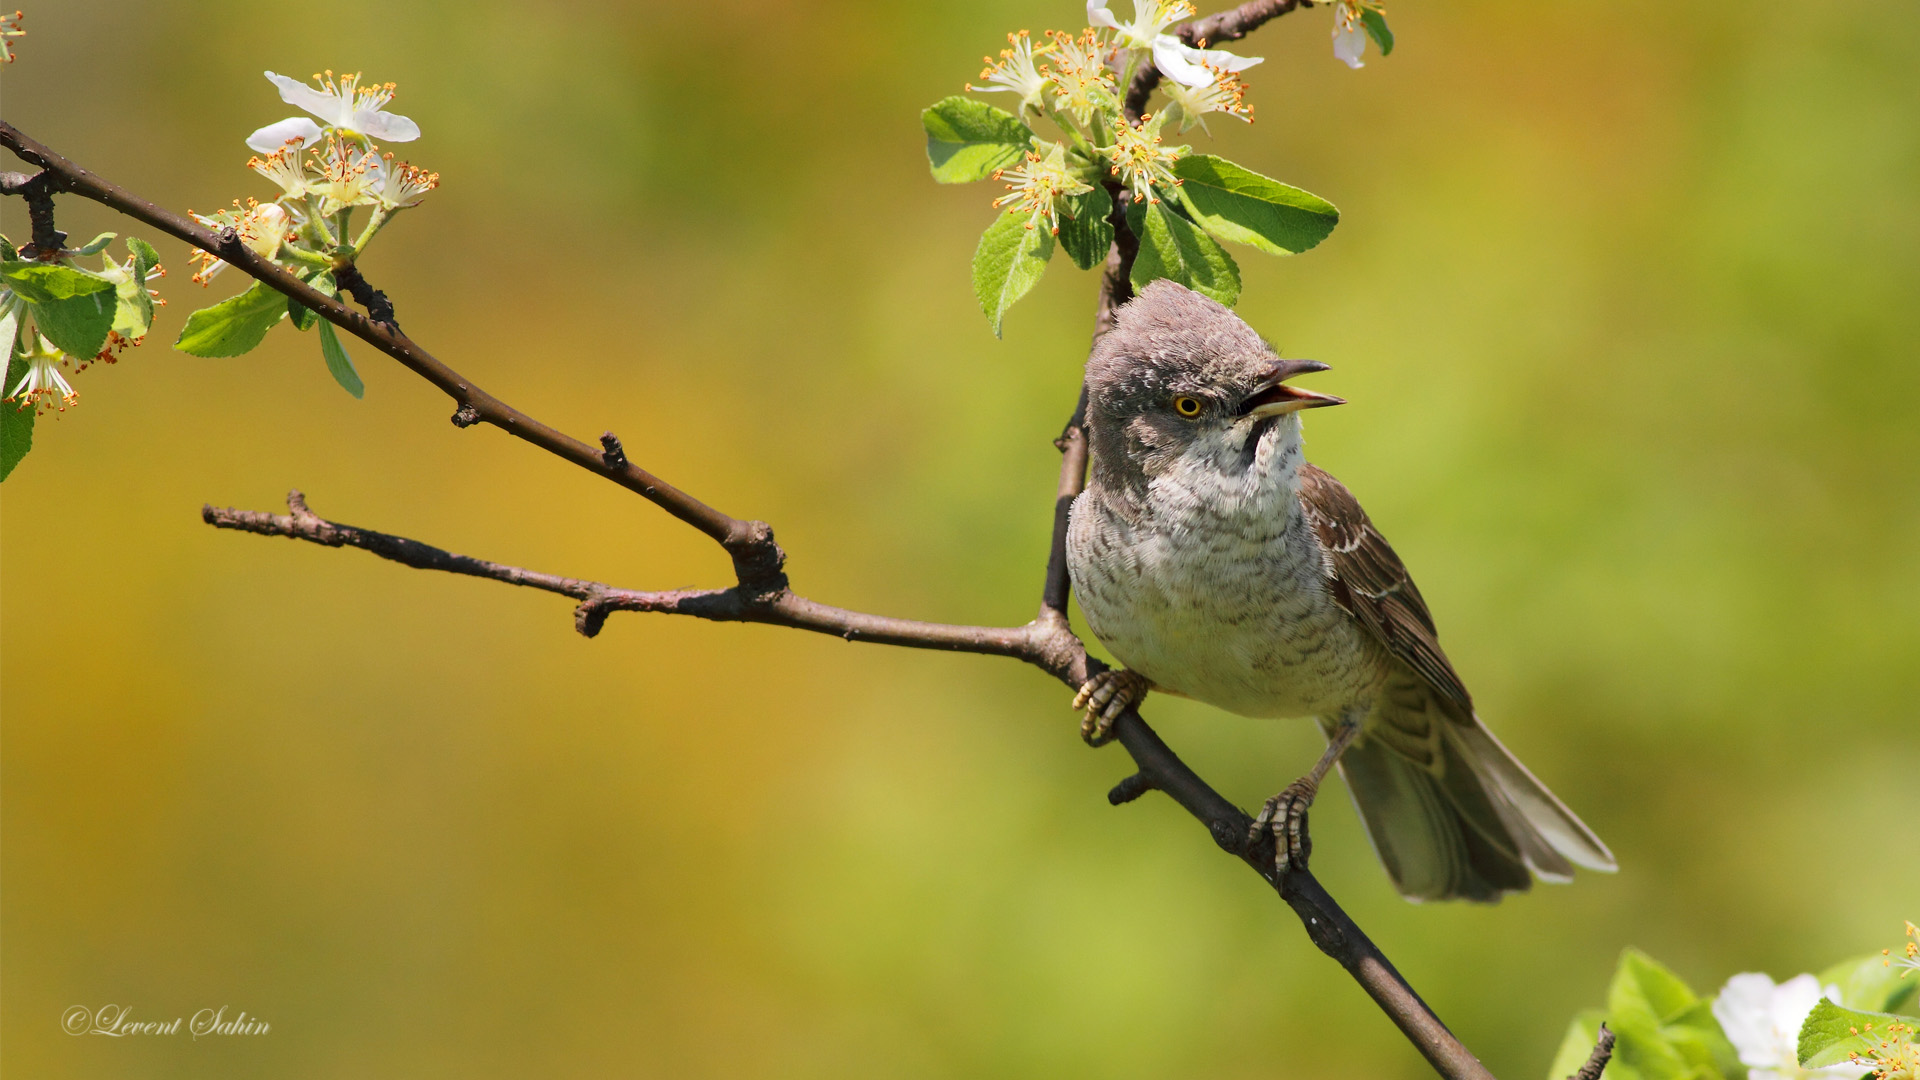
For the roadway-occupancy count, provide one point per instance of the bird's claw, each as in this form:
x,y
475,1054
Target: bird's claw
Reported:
x,y
1103,698
1285,816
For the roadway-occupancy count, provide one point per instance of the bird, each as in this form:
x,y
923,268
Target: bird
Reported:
x,y
1216,563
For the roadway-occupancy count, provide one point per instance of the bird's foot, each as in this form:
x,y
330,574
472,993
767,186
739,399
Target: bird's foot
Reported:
x,y
1285,815
1103,698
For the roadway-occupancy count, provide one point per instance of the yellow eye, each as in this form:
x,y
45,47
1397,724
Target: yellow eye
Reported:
x,y
1187,407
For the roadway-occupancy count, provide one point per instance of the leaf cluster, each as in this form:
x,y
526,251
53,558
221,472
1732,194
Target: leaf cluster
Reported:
x,y
56,317
1104,172
1665,1031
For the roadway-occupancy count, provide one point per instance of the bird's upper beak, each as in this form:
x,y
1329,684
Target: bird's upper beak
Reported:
x,y
1273,398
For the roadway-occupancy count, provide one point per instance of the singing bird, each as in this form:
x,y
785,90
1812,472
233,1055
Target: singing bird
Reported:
x,y
1216,563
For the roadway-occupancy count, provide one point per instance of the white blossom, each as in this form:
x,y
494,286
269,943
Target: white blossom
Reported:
x,y
1139,160
260,226
1014,71
344,105
397,185
42,384
344,177
1349,36
1176,59
1038,185
1191,104
1763,1023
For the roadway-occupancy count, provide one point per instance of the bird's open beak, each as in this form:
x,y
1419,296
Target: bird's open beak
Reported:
x,y
1273,398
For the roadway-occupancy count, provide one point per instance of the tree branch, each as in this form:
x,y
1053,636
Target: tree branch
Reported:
x,y
781,607
1115,290
757,558
761,593
37,190
1597,1061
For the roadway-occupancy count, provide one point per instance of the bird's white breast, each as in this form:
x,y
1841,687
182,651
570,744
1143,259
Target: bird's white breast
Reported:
x,y
1220,592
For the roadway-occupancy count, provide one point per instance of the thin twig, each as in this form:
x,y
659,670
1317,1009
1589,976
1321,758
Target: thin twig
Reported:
x,y
1597,1061
738,604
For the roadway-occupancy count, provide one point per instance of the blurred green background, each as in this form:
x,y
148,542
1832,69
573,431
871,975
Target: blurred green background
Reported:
x,y
1624,297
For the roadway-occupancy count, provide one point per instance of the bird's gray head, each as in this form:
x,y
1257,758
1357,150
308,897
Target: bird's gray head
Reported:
x,y
1182,380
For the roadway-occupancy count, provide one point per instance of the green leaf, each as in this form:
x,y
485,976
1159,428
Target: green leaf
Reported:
x,y
47,282
302,316
967,139
1698,1036
7,252
1376,23
77,325
233,326
1172,247
144,257
98,244
1870,983
1642,981
1008,263
16,424
1087,234
1240,205
1831,1032
1641,1049
1665,1031
338,362
1577,1045
133,313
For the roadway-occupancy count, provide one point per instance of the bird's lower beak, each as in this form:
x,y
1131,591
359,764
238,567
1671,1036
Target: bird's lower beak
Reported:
x,y
1274,398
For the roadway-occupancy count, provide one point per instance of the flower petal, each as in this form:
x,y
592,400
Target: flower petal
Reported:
x,y
385,126
1349,44
301,96
1098,15
276,136
1745,1011
1220,59
1793,1000
1169,56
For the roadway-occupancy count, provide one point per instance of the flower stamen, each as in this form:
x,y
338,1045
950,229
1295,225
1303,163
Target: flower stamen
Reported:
x,y
1141,162
260,226
398,185
43,388
1082,81
1227,93
283,168
9,30
343,171
1014,71
1037,186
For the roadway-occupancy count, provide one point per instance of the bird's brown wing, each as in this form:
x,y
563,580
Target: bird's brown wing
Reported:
x,y
1370,582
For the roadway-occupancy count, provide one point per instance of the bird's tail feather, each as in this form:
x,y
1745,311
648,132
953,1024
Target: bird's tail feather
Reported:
x,y
1548,817
1468,821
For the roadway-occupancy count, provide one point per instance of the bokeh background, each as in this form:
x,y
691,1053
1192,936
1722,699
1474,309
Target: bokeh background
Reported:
x,y
1623,296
